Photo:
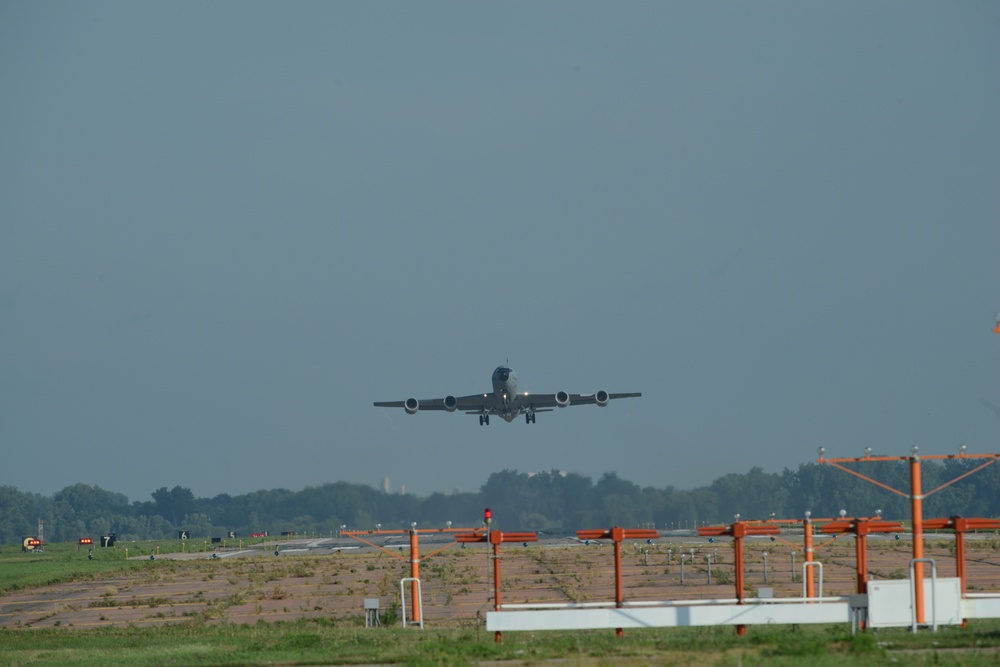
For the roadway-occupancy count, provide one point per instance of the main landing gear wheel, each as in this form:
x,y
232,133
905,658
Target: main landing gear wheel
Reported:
x,y
484,420
529,417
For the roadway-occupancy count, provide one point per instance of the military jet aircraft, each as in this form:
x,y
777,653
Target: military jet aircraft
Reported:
x,y
505,401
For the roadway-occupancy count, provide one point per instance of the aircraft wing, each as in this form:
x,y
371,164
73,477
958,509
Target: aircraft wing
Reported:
x,y
475,403
550,401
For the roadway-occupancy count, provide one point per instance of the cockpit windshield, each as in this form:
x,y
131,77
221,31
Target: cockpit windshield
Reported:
x,y
502,373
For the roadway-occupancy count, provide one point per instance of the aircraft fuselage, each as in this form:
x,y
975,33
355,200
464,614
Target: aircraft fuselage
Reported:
x,y
505,394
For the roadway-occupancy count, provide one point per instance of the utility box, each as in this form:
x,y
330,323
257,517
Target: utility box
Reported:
x,y
371,613
890,603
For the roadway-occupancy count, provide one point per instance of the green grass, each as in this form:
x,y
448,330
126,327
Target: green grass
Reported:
x,y
63,562
324,643
60,563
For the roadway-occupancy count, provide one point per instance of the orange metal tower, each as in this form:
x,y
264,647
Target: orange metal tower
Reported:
x,y
618,535
738,531
415,601
916,497
496,538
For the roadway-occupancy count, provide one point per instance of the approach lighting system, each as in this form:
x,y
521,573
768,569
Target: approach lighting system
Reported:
x,y
86,541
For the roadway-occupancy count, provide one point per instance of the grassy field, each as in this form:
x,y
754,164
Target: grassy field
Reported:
x,y
210,638
63,562
317,643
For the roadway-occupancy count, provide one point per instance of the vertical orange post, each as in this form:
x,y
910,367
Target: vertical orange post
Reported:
x,y
739,530
496,537
618,536
415,573
807,571
960,556
917,511
861,556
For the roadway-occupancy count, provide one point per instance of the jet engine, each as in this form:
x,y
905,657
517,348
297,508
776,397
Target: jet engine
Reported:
x,y
450,403
562,399
601,398
411,405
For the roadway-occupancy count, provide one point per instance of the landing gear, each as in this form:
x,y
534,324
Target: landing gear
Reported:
x,y
529,417
484,420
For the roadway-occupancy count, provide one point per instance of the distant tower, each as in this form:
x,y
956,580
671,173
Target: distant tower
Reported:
x,y
385,485
402,489
41,531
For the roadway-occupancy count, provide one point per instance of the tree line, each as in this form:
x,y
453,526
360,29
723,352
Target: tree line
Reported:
x,y
549,502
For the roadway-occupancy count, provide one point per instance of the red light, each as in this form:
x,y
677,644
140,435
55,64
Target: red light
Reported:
x,y
487,515
86,540
34,543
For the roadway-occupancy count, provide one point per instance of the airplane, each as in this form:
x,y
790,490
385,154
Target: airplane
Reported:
x,y
504,401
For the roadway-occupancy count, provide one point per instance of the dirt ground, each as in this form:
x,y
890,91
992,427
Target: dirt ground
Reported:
x,y
312,580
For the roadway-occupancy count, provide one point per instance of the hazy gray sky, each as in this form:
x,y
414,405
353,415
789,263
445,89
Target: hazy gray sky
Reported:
x,y
226,228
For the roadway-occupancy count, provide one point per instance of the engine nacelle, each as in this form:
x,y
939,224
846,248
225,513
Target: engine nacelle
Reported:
x,y
601,398
411,405
450,403
562,399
